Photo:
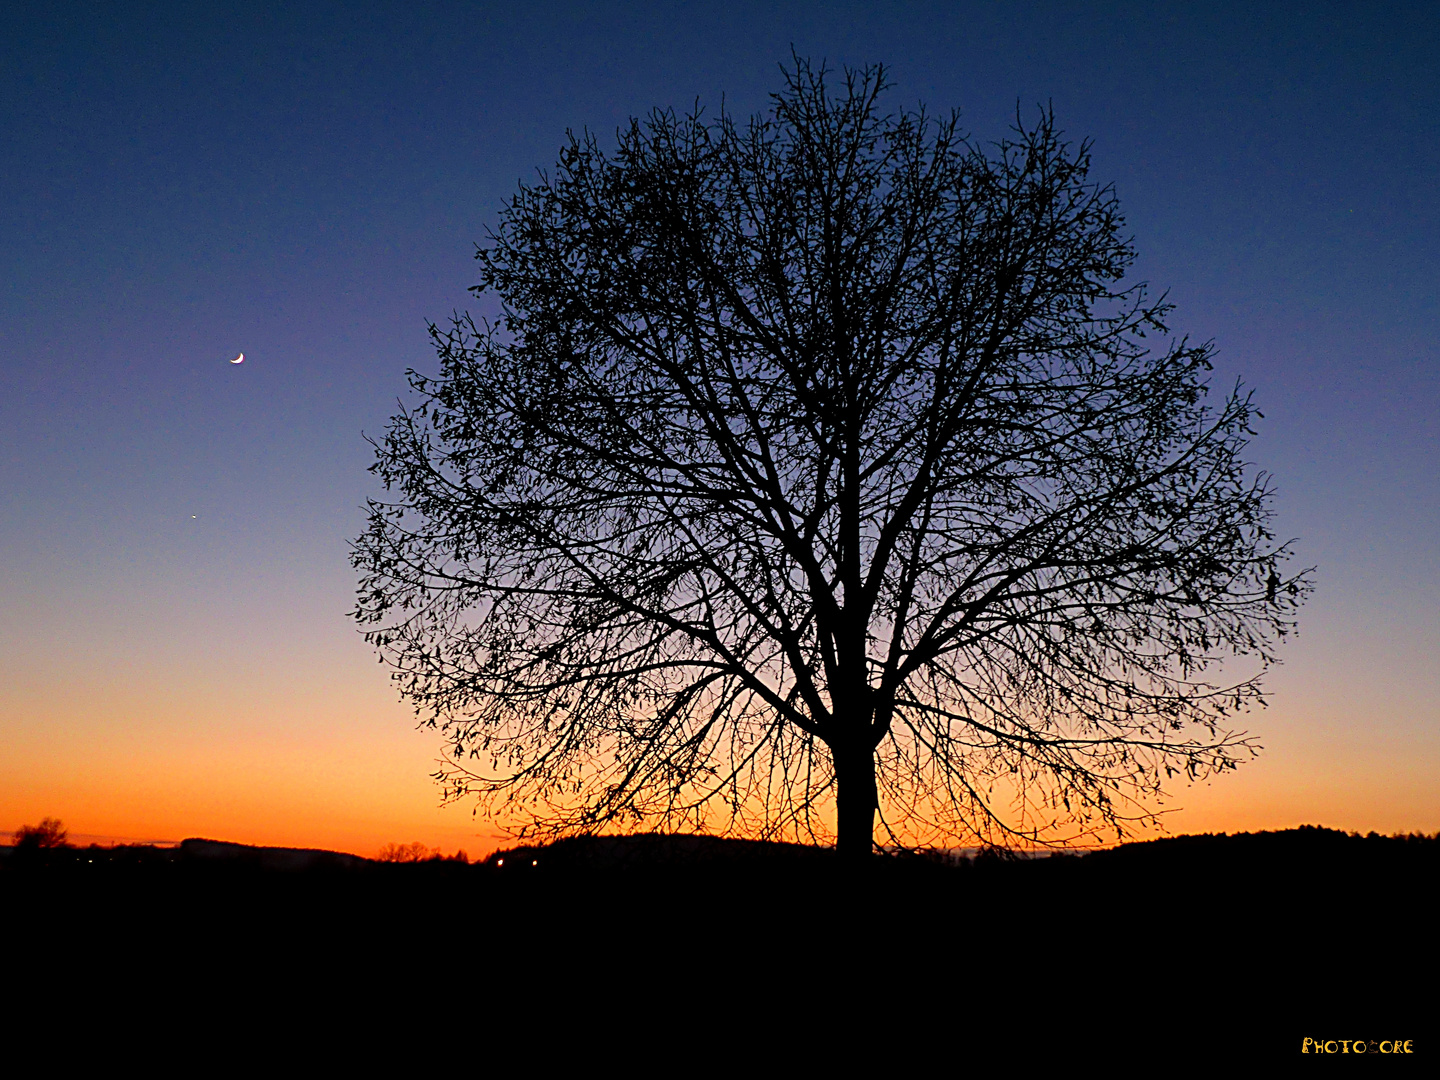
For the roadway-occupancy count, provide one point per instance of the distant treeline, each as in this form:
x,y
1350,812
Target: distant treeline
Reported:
x,y
1306,846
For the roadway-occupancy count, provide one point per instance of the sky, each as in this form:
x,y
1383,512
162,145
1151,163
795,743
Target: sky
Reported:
x,y
306,183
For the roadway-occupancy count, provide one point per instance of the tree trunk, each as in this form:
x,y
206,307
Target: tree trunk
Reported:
x,y
855,801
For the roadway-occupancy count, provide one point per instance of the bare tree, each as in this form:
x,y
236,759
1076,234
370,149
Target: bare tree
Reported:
x,y
48,835
407,853
821,466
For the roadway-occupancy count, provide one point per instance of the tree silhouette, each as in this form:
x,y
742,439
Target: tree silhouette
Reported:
x,y
407,853
815,467
49,835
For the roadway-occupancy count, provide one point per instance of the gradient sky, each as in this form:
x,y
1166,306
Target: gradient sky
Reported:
x,y
306,182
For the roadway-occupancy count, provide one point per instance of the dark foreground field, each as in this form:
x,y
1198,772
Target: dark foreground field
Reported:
x,y
1202,947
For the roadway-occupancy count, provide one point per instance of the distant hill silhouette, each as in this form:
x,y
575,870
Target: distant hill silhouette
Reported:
x,y
653,851
1307,841
1311,848
268,858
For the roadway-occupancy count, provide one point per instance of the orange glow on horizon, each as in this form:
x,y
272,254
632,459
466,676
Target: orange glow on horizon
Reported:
x,y
338,764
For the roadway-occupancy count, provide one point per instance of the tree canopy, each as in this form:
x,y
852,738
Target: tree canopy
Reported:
x,y
49,834
819,469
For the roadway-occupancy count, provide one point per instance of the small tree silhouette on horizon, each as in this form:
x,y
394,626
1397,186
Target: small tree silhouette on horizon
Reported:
x,y
48,835
820,471
418,852
407,853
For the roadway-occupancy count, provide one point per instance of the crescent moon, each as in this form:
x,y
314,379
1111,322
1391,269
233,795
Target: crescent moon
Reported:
x,y
239,359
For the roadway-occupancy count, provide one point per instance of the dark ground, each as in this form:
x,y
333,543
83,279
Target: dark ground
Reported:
x,y
711,952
